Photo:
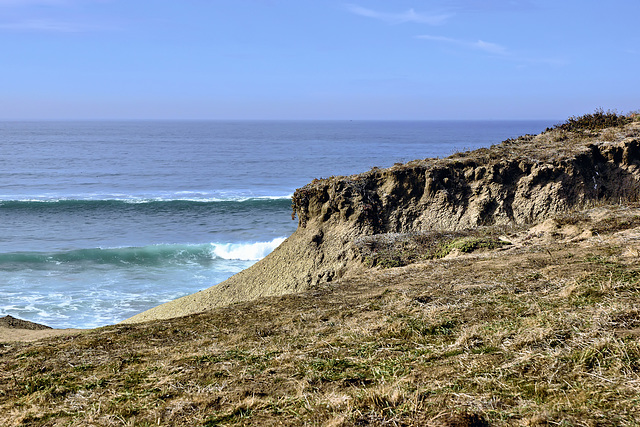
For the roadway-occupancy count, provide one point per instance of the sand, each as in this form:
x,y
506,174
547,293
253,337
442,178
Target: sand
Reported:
x,y
13,330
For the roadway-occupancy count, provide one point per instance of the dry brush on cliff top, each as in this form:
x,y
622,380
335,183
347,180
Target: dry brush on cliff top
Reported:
x,y
542,331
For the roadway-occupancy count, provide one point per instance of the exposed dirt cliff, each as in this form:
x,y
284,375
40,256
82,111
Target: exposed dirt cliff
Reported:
x,y
519,181
516,182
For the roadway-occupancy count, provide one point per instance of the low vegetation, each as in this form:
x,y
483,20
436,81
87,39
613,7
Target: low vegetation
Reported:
x,y
596,121
396,249
542,331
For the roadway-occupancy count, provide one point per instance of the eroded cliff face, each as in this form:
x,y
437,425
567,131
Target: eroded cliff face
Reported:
x,y
517,182
472,189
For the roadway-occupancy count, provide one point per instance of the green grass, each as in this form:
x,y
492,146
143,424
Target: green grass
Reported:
x,y
397,250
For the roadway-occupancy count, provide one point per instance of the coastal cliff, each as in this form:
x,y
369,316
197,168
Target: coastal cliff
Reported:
x,y
497,287
519,181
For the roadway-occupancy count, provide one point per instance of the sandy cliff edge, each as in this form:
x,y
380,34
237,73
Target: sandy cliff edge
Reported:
x,y
516,182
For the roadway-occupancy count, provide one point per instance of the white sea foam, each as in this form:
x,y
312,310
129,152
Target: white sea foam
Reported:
x,y
184,196
93,288
246,251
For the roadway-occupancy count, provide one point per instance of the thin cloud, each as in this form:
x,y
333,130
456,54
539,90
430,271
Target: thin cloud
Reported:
x,y
399,18
23,17
492,5
22,3
50,26
488,47
498,50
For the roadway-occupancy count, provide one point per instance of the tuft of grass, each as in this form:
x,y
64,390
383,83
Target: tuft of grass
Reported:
x,y
615,223
400,249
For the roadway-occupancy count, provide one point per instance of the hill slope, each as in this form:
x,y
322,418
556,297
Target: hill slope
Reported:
x,y
501,324
517,182
543,331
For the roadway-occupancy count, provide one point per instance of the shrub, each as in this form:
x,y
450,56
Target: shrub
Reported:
x,y
595,121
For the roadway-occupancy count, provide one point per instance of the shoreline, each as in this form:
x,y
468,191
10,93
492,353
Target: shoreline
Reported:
x,y
515,183
13,329
10,335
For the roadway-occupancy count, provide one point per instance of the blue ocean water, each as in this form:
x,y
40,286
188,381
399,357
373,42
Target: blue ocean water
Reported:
x,y
102,220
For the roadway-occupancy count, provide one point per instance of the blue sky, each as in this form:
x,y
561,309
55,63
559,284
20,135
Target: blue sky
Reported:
x,y
312,59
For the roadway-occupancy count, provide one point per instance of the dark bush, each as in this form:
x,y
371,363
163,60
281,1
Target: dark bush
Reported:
x,y
595,121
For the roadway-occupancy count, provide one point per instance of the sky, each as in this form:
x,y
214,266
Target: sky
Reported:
x,y
317,59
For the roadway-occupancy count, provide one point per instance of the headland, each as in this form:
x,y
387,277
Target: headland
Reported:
x,y
591,159
493,287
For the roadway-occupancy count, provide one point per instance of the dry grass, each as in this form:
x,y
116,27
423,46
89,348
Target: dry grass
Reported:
x,y
399,249
562,141
543,332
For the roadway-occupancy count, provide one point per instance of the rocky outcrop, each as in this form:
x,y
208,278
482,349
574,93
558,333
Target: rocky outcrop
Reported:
x,y
517,182
471,190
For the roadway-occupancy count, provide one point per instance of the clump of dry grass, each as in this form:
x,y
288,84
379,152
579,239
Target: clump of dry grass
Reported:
x,y
595,121
399,249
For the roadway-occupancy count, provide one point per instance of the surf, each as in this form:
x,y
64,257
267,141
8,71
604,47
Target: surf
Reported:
x,y
115,202
151,255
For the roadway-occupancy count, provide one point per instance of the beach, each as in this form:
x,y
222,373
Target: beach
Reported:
x,y
12,330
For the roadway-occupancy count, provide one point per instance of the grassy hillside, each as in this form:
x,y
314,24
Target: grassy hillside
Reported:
x,y
537,324
541,331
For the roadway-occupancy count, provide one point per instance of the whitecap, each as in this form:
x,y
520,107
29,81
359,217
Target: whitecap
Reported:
x,y
246,251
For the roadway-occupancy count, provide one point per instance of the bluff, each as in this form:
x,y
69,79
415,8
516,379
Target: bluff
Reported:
x,y
518,181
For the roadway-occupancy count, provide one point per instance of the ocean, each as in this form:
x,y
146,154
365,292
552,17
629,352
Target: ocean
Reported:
x,y
102,220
